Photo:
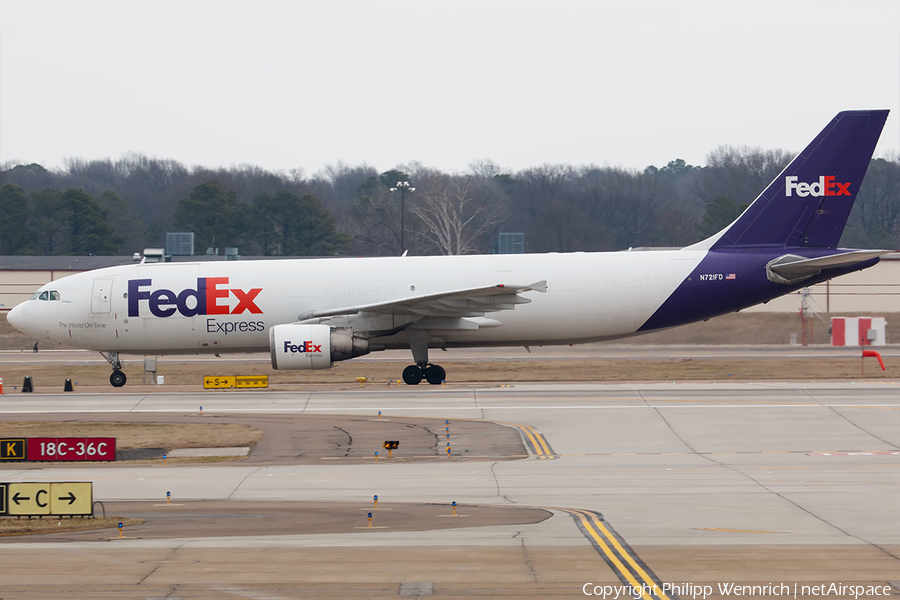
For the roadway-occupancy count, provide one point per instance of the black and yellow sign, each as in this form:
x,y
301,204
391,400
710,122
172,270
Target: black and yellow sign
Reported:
x,y
251,381
2,498
232,381
12,449
391,444
218,382
58,499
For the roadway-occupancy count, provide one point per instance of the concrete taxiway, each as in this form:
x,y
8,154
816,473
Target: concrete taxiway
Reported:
x,y
678,483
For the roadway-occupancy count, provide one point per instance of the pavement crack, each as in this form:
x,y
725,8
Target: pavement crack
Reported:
x,y
238,486
677,435
475,399
496,481
534,576
349,440
886,551
754,480
768,489
138,403
160,563
844,417
437,440
788,500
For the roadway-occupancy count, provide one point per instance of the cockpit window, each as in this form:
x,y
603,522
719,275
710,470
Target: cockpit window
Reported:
x,y
49,295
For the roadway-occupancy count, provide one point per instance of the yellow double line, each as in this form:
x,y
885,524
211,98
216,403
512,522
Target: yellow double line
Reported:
x,y
535,441
624,562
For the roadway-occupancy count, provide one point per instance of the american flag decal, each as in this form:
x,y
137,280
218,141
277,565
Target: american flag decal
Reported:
x,y
730,276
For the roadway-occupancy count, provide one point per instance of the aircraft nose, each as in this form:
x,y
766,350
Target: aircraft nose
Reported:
x,y
16,317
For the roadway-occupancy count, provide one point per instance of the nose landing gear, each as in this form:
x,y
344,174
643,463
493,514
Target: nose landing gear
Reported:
x,y
117,378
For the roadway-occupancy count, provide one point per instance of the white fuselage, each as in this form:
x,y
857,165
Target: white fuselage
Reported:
x,y
590,296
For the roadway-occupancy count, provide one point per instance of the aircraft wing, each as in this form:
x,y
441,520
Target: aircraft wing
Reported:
x,y
470,302
812,266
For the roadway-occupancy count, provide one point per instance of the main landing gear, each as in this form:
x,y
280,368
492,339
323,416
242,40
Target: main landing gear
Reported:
x,y
433,374
117,379
414,374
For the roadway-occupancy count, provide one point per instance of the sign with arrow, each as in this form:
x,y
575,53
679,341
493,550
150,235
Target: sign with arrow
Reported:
x,y
58,499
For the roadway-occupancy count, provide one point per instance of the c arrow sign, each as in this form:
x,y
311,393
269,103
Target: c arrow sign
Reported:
x,y
17,497
70,498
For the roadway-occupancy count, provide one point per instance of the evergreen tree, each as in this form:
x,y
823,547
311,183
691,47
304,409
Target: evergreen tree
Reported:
x,y
720,213
16,235
291,225
213,214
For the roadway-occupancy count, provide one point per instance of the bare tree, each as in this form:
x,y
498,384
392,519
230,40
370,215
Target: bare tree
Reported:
x,y
485,168
374,220
739,173
875,220
455,219
346,180
539,186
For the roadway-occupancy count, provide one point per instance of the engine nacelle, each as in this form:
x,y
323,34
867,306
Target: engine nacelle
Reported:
x,y
296,346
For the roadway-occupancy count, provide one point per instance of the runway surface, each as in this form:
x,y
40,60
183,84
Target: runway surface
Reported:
x,y
701,483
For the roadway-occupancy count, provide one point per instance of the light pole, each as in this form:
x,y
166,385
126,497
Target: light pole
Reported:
x,y
403,186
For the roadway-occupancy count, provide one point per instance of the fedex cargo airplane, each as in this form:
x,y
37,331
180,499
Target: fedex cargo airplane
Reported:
x,y
311,313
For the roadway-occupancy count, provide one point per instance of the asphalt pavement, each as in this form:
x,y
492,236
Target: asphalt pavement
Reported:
x,y
706,484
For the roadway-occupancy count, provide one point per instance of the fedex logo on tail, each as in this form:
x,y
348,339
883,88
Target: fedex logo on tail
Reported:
x,y
209,298
306,346
825,186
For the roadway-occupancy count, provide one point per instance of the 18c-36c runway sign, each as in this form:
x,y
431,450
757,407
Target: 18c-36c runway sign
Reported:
x,y
37,499
58,449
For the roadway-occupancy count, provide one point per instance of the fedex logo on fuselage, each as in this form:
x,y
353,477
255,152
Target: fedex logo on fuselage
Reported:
x,y
825,186
209,298
306,346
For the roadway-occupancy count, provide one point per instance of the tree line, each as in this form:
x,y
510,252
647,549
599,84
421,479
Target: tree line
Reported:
x,y
106,207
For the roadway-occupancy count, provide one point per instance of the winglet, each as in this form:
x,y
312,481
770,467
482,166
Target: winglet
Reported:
x,y
537,286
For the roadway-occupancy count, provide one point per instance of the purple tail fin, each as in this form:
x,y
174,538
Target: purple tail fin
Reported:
x,y
809,202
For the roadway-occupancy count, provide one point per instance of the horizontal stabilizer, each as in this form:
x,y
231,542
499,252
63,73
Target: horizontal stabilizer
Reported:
x,y
790,268
811,266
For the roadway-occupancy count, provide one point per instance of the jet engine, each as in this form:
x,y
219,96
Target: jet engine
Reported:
x,y
296,346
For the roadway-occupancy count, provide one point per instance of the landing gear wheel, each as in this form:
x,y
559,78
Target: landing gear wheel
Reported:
x,y
117,378
412,375
435,374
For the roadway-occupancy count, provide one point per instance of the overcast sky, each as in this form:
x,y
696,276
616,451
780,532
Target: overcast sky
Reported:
x,y
294,84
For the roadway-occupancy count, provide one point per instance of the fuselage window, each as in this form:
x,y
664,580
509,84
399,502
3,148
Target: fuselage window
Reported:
x,y
54,295
43,296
